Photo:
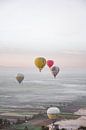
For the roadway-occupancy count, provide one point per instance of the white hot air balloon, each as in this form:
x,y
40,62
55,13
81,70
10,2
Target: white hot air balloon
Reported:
x,y
53,112
19,77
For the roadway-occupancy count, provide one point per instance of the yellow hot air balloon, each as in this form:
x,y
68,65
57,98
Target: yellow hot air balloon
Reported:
x,y
19,77
40,62
53,112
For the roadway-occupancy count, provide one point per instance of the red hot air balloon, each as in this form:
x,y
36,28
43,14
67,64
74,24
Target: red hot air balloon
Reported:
x,y
50,63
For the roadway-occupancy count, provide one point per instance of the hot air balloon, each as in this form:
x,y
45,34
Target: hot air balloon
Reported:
x,y
50,63
55,70
40,62
19,77
53,112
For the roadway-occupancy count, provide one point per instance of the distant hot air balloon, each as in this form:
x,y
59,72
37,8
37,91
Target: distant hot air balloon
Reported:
x,y
50,63
53,112
55,70
40,62
19,77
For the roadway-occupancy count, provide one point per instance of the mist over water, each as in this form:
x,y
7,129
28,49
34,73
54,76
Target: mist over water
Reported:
x,y
37,87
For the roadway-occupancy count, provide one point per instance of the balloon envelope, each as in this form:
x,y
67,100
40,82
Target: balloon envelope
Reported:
x,y
40,62
50,63
20,77
53,112
55,70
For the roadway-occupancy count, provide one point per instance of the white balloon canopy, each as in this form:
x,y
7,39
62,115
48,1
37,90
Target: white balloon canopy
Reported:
x,y
53,112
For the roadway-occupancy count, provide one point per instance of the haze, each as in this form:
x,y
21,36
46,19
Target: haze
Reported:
x,y
54,29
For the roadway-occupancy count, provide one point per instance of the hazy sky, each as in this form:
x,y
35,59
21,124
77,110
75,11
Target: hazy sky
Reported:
x,y
52,28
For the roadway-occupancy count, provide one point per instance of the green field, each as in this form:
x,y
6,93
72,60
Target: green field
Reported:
x,y
22,126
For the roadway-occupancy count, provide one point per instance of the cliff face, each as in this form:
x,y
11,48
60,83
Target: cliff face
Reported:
x,y
81,112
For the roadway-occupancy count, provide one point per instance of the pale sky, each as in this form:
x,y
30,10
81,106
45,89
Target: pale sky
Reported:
x,y
55,29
